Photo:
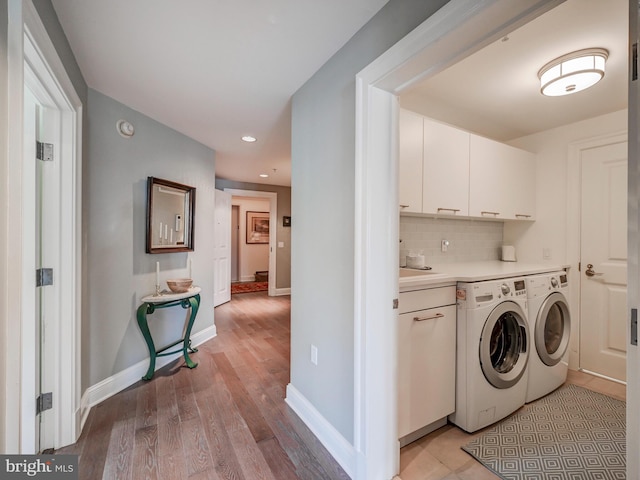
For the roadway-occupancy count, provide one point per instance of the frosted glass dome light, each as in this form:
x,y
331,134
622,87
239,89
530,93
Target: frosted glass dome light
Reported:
x,y
573,72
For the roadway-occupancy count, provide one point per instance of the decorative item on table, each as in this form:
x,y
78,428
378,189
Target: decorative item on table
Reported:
x,y
179,285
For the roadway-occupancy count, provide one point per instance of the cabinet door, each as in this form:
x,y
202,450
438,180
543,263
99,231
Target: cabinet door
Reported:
x,y
410,160
523,186
501,180
426,367
488,180
446,170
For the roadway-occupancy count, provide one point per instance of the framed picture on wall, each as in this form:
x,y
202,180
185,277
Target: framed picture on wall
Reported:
x,y
257,227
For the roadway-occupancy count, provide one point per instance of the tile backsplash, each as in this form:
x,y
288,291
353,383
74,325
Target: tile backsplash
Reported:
x,y
469,240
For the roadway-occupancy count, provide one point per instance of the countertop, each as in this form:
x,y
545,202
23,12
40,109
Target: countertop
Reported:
x,y
450,273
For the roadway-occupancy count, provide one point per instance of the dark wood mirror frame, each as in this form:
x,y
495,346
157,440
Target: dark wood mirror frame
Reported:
x,y
171,210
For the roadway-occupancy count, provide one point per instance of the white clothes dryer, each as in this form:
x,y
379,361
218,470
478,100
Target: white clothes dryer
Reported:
x,y
492,351
550,325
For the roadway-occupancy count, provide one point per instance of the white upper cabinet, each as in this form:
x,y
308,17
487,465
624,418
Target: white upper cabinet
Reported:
x,y
410,173
450,172
446,170
501,181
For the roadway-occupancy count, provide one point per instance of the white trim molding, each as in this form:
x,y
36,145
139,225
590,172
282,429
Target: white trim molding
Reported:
x,y
116,383
33,61
273,221
336,444
573,244
458,29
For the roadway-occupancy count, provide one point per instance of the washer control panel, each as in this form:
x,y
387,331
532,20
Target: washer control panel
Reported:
x,y
479,293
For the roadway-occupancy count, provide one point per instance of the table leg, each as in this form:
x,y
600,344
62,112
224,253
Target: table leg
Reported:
x,y
144,328
194,303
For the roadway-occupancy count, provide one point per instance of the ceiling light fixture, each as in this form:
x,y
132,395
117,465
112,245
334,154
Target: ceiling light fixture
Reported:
x,y
264,175
573,72
249,139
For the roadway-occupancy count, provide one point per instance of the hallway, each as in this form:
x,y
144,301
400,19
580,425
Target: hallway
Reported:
x,y
225,419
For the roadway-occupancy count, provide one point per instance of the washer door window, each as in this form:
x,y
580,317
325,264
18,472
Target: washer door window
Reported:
x,y
503,345
553,327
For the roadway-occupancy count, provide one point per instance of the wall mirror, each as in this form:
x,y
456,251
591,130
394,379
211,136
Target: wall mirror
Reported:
x,y
170,215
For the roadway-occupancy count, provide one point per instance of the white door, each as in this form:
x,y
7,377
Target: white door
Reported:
x,y
235,243
603,275
40,125
222,249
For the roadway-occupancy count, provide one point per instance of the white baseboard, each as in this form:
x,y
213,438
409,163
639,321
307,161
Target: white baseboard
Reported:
x,y
121,380
333,441
282,291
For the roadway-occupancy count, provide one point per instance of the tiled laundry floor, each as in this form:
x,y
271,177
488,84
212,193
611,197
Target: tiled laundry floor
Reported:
x,y
438,456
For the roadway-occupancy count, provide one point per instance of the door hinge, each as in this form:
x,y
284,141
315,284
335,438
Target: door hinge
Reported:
x,y
44,402
634,326
44,151
395,303
579,266
44,277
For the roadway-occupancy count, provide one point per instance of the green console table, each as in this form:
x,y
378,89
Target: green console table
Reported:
x,y
150,303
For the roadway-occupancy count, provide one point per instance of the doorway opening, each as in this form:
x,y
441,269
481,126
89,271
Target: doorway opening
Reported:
x,y
456,31
34,66
253,219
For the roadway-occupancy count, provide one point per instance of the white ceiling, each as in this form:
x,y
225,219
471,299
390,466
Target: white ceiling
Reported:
x,y
214,70
219,69
496,91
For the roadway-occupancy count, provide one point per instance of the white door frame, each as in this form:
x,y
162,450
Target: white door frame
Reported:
x,y
457,30
574,204
273,222
33,61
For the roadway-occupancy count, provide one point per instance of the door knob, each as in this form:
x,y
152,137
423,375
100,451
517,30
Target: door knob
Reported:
x,y
589,271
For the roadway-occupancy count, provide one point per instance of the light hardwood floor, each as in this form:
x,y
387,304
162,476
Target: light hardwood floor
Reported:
x,y
225,419
438,456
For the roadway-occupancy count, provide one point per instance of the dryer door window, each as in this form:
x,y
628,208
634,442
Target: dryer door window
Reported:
x,y
503,345
553,328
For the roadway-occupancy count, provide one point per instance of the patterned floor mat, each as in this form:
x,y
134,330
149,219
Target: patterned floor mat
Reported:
x,y
571,434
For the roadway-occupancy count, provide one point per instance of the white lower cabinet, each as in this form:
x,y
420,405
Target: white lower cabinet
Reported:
x,y
427,360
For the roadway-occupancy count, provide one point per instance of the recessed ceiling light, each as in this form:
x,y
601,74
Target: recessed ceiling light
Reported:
x,y
249,138
264,175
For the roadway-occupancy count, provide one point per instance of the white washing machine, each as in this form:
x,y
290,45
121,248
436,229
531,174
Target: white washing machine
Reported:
x,y
492,351
550,325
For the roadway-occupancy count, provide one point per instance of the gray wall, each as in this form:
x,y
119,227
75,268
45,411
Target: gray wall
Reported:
x,y
119,270
3,214
323,183
283,234
116,270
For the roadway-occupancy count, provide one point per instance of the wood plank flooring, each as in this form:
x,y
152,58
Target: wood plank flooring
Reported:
x,y
224,420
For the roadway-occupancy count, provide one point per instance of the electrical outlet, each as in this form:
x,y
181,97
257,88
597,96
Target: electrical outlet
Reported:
x,y
444,245
546,253
314,354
